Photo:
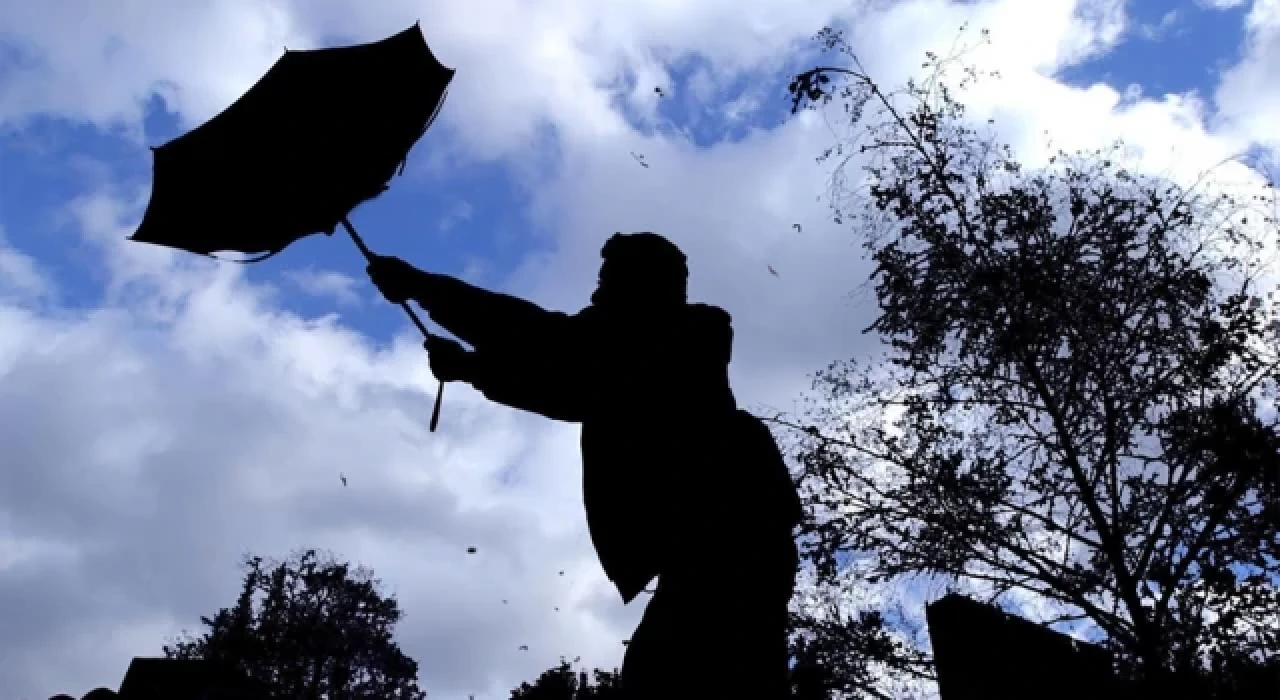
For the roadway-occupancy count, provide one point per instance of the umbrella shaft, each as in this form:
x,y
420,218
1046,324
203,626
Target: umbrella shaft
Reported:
x,y
414,317
368,254
351,231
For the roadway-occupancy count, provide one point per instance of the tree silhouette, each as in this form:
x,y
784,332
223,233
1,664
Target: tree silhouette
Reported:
x,y
1079,399
833,656
310,627
564,683
838,654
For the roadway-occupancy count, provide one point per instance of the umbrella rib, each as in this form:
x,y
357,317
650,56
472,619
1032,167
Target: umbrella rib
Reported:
x,y
426,126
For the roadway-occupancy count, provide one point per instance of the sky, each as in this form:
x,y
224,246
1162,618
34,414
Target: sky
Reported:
x,y
161,415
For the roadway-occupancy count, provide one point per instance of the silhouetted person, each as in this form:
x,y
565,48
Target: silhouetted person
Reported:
x,y
677,481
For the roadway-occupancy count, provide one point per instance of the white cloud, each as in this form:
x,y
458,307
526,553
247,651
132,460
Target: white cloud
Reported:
x,y
142,458
104,65
151,442
460,213
21,276
1249,93
327,284
1158,30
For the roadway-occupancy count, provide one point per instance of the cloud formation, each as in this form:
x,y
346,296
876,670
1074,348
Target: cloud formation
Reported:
x,y
326,284
150,442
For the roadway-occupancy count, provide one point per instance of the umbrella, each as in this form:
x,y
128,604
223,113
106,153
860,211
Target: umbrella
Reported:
x,y
320,133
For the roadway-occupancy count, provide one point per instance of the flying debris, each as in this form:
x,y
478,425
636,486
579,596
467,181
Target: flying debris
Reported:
x,y
660,92
639,159
344,479
772,271
796,227
471,550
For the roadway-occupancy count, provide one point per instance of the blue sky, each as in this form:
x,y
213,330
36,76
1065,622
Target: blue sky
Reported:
x,y
1173,47
506,181
412,219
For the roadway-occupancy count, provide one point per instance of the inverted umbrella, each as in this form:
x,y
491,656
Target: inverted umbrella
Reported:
x,y
321,132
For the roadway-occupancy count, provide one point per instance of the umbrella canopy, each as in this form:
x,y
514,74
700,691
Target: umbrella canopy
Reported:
x,y
321,132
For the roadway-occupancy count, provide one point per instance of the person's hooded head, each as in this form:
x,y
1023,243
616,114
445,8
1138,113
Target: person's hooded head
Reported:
x,y
641,271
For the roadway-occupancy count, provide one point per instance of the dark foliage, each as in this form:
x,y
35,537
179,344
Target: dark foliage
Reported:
x,y
834,654
310,627
565,683
844,655
1079,400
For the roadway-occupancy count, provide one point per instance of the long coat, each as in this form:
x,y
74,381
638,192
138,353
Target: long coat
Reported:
x,y
669,461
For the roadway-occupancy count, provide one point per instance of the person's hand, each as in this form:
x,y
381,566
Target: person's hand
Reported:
x,y
449,361
395,278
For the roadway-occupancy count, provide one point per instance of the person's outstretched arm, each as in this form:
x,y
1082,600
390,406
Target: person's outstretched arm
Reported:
x,y
484,319
524,356
542,377
538,377
477,316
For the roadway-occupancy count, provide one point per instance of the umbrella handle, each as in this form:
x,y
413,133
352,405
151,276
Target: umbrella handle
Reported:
x,y
368,254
